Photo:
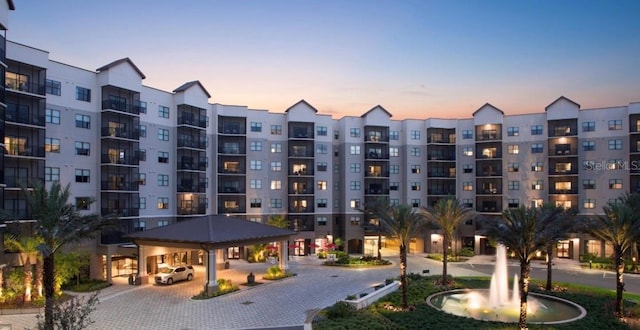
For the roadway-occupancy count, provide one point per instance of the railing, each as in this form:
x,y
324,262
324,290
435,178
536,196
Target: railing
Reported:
x,y
121,186
381,174
192,166
120,133
33,88
232,151
376,155
192,210
27,150
16,181
115,159
121,107
128,212
186,143
231,190
192,121
306,191
377,192
232,130
15,114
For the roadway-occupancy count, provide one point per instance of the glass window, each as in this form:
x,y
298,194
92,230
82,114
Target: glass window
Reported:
x,y
163,203
163,112
588,126
322,130
467,151
513,131
51,145
394,169
354,185
276,184
163,134
394,135
83,121
255,203
589,184
415,151
589,203
394,186
82,175
415,135
83,94
256,126
354,168
354,150
588,145
615,125
163,157
255,165
276,129
513,149
537,167
467,186
276,203
537,185
255,146
615,184
322,148
615,144
83,203
322,185
514,185
53,87
322,166
467,168
536,130
354,132
415,169
255,184
82,148
276,166
415,186
537,148
276,147
394,152
142,203
143,130
512,167
52,116
52,174
467,134
163,180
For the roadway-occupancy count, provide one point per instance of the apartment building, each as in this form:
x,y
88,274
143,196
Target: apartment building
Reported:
x,y
155,158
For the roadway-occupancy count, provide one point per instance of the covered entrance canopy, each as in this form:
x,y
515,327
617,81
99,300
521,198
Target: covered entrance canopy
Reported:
x,y
209,233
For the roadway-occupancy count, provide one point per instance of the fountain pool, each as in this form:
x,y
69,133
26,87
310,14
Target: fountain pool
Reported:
x,y
498,303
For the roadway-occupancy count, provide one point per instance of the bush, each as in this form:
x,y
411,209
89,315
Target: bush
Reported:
x,y
466,252
341,309
88,286
322,255
224,286
72,314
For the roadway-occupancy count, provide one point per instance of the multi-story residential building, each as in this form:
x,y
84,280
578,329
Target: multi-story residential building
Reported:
x,y
155,157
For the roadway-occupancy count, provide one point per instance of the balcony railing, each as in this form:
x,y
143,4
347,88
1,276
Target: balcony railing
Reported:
x,y
186,143
376,155
116,159
193,166
15,114
377,191
120,133
232,151
192,121
231,190
27,150
33,88
192,210
121,186
121,107
127,212
378,174
195,188
16,181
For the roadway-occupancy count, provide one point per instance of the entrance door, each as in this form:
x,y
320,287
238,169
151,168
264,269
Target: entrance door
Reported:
x,y
233,252
563,249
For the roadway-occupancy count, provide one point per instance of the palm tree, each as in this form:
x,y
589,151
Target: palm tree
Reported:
x,y
58,223
564,221
402,223
620,227
447,213
524,231
26,246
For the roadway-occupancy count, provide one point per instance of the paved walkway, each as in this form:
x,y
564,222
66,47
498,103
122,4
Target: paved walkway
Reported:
x,y
285,304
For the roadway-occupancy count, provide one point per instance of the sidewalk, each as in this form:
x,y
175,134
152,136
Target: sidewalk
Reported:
x,y
558,263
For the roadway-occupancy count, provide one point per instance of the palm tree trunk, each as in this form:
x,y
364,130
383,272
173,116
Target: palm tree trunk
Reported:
x,y
525,270
48,291
445,257
619,263
403,274
39,276
28,279
549,266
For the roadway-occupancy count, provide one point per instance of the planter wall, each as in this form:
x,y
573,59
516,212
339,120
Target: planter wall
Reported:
x,y
372,295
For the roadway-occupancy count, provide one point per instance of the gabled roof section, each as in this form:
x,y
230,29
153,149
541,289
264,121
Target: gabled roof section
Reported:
x,y
560,99
377,107
302,102
213,229
490,106
120,61
190,84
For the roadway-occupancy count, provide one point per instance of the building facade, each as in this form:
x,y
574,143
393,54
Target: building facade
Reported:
x,y
155,157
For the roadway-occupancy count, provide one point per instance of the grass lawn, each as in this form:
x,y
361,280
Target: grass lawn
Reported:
x,y
383,314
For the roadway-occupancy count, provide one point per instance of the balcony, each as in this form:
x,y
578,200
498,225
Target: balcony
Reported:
x,y
186,119
376,154
190,143
193,188
27,87
377,191
120,106
122,213
376,138
201,209
16,181
377,174
25,150
232,129
122,133
231,190
120,186
236,150
22,115
117,160
193,166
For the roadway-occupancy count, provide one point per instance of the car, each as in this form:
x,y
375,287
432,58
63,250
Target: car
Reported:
x,y
170,274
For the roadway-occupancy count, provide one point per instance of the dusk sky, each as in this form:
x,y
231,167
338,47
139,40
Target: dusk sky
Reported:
x,y
418,59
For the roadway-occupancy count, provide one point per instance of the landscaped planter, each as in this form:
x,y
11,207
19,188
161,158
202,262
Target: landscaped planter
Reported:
x,y
367,297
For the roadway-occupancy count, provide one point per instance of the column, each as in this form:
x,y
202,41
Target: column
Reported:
x,y
142,265
108,267
211,285
284,256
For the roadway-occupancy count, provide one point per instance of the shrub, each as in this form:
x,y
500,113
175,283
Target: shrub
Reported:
x,y
466,252
72,314
351,297
322,255
341,309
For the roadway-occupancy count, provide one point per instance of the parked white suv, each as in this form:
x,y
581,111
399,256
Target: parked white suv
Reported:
x,y
170,274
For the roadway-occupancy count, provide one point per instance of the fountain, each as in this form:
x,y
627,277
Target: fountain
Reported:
x,y
498,304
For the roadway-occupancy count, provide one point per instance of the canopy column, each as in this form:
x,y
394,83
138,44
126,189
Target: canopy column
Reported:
x,y
211,285
284,255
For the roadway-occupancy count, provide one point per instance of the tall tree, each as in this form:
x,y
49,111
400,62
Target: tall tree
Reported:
x,y
524,231
402,223
58,223
620,227
563,221
28,248
447,213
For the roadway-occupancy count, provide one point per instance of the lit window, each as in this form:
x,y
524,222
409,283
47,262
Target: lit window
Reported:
x,y
467,151
276,184
467,186
415,169
512,167
415,186
394,152
615,184
537,167
513,149
537,185
322,185
354,150
354,203
589,203
163,203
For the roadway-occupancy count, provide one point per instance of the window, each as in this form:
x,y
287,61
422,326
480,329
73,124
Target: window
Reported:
x,y
52,174
276,129
275,203
467,134
354,167
415,169
163,134
163,203
354,185
467,151
615,125
255,184
615,164
513,149
255,203
394,152
354,132
467,186
467,168
589,203
355,220
83,121
322,166
51,145
276,184
322,221
82,175
394,186
415,135
142,179
415,151
52,116
163,157
514,185
143,130
615,144
513,131
82,148
83,94
354,203
615,184
536,130
163,112
255,165
82,203
588,126
255,146
322,149
276,147
256,126
513,202
513,167
589,184
394,169
53,87
467,202
537,167
415,203
322,185
322,130
394,135
537,185
354,150
142,203
536,148
142,107
276,166
588,145
322,202
163,180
